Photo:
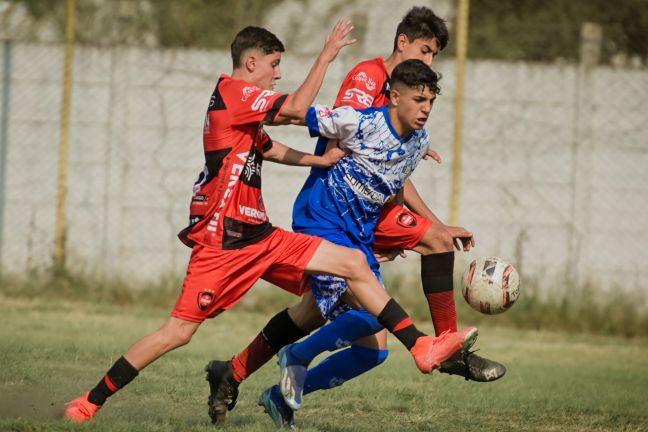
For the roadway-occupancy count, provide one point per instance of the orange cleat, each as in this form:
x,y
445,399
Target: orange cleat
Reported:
x,y
81,410
430,351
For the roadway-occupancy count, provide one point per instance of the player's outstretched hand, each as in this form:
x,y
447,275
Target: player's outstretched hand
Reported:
x,y
461,237
337,39
432,154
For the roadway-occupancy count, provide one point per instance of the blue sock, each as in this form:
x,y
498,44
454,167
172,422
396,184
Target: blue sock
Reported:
x,y
343,366
346,328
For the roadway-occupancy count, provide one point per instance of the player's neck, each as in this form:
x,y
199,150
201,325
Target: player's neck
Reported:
x,y
401,129
392,61
243,75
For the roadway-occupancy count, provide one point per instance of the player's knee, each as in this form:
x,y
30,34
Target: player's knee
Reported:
x,y
181,338
175,336
353,263
435,240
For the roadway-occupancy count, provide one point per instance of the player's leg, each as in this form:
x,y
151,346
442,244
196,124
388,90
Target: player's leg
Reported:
x,y
286,327
351,264
399,228
173,334
216,280
342,366
339,333
294,359
437,267
364,355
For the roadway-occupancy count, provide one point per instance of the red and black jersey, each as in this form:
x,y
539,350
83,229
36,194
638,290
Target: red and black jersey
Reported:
x,y
367,85
227,208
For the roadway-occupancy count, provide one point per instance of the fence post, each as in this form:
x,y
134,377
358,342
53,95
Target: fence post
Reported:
x,y
582,148
4,133
460,61
60,233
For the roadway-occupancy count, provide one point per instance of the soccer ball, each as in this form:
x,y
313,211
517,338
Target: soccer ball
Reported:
x,y
490,285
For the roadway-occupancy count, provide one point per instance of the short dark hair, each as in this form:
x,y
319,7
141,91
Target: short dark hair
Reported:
x,y
421,23
254,38
416,74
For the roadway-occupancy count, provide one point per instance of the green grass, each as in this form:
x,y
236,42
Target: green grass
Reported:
x,y
567,307
52,350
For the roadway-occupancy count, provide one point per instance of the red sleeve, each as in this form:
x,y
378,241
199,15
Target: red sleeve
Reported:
x,y
249,104
361,86
264,140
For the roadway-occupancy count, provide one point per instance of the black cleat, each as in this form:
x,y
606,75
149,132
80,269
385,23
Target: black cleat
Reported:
x,y
223,389
472,367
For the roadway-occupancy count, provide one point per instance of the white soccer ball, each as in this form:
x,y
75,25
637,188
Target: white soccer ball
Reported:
x,y
490,285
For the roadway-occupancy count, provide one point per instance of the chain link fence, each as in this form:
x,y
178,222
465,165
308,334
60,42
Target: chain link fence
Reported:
x,y
554,174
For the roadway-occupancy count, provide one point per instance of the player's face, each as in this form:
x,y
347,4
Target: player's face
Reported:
x,y
266,70
413,107
419,49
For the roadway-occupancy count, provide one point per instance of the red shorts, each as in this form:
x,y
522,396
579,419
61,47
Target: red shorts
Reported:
x,y
217,279
399,228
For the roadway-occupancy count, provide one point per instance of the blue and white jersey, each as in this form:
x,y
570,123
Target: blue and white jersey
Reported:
x,y
348,196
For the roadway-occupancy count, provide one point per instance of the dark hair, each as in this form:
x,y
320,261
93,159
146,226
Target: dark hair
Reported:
x,y
421,23
254,38
416,74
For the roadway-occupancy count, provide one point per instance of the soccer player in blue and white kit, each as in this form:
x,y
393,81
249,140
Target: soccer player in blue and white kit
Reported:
x,y
343,204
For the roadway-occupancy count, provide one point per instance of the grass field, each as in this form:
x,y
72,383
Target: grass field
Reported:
x,y
53,350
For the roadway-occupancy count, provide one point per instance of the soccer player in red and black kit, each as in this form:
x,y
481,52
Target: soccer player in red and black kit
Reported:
x,y
420,35
233,242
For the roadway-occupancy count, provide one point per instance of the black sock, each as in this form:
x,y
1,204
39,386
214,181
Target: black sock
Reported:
x,y
281,330
436,272
436,275
120,374
396,320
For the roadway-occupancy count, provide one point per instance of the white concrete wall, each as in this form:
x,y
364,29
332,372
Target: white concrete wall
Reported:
x,y
554,179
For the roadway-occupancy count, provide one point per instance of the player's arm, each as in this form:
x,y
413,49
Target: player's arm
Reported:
x,y
463,239
281,153
297,103
340,124
414,202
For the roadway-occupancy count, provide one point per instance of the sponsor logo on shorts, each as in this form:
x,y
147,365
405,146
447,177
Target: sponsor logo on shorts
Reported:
x,y
205,299
406,220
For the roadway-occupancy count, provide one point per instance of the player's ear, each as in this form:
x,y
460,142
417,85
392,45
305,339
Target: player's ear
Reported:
x,y
394,96
401,42
250,62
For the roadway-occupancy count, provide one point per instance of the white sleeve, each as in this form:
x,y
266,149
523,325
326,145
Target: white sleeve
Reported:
x,y
339,123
